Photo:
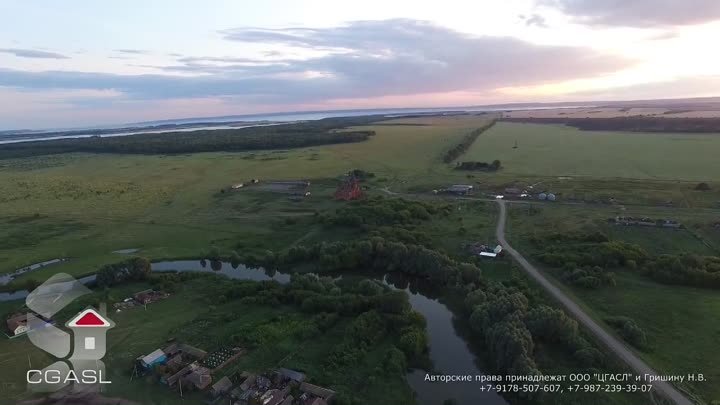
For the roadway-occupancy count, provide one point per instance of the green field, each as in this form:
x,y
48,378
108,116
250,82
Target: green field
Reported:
x,y
680,322
556,150
85,206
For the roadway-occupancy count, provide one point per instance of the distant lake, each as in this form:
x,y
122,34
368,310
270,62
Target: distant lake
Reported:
x,y
244,121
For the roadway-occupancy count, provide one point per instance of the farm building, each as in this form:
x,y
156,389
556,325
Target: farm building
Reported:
x,y
284,186
17,324
485,250
492,254
460,189
645,221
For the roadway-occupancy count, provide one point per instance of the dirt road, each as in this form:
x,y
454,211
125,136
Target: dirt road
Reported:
x,y
619,348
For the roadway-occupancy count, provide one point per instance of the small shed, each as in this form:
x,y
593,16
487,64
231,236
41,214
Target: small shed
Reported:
x,y
223,386
156,357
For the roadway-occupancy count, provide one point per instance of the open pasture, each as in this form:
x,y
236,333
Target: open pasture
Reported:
x,y
556,150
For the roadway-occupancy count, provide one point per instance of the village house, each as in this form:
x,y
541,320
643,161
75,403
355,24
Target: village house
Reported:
x,y
17,324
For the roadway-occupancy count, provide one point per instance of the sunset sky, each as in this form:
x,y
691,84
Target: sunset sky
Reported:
x,y
76,63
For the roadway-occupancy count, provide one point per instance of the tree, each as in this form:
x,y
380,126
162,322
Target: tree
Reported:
x,y
395,361
135,269
551,324
702,187
213,253
413,343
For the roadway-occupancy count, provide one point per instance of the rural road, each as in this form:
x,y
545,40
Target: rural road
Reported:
x,y
665,389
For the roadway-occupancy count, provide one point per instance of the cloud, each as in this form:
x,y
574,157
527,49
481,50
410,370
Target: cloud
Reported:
x,y
32,53
664,35
133,51
679,87
358,60
534,20
638,13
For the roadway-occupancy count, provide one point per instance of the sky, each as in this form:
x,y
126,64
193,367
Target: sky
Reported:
x,y
80,63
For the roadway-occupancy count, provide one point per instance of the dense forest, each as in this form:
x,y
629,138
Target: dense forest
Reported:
x,y
311,133
633,124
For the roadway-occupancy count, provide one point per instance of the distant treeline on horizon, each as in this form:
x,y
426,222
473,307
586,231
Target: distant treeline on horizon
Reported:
x,y
632,124
283,136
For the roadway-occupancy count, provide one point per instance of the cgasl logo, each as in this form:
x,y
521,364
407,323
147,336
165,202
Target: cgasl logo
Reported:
x,y
79,353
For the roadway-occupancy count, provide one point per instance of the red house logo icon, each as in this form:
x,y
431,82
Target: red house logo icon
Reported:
x,y
89,329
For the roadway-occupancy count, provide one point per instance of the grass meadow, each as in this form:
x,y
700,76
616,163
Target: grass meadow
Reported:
x,y
557,150
85,206
680,322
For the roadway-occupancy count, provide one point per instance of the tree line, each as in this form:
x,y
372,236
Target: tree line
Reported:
x,y
633,124
586,260
228,140
512,325
466,142
376,211
479,166
379,255
135,269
